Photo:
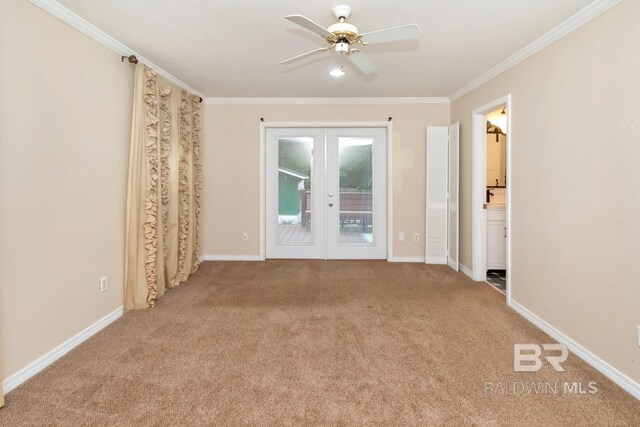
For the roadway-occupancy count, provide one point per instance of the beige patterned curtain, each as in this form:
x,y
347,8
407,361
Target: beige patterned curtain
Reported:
x,y
1,390
164,190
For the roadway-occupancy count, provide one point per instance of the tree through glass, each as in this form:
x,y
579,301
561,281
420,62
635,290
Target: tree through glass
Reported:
x,y
356,190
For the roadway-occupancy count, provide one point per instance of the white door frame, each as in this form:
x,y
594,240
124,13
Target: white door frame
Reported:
x,y
479,186
263,170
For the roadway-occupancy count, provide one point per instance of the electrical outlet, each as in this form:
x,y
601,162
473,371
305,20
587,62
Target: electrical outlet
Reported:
x,y
401,236
103,284
416,237
245,235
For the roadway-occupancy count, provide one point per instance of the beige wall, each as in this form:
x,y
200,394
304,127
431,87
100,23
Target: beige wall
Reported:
x,y
64,131
575,183
64,135
232,161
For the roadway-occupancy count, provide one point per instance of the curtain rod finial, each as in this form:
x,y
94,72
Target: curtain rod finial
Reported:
x,y
131,58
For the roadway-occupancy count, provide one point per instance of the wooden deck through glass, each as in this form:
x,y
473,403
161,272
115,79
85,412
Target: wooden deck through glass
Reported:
x,y
349,234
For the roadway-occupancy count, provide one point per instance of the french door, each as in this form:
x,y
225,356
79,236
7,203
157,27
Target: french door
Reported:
x,y
326,193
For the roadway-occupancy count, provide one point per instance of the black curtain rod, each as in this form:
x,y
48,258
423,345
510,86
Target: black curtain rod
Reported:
x,y
134,60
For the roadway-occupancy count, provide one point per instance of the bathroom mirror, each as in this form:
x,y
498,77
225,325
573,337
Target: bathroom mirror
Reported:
x,y
496,157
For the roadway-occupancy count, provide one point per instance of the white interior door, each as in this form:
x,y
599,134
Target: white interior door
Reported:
x,y
356,193
437,165
295,181
453,189
326,193
442,195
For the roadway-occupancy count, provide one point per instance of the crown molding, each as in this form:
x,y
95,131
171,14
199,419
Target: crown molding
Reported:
x,y
80,24
576,21
329,101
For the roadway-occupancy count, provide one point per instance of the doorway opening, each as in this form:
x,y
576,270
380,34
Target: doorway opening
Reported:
x,y
496,198
326,193
491,208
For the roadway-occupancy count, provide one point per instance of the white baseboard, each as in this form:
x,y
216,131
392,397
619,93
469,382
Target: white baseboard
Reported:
x,y
629,385
231,257
436,260
38,365
406,259
466,271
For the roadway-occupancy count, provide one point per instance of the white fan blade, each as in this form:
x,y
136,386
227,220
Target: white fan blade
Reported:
x,y
405,32
310,25
363,62
304,55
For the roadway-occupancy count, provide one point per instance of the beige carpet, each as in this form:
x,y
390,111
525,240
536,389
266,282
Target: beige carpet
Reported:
x,y
314,343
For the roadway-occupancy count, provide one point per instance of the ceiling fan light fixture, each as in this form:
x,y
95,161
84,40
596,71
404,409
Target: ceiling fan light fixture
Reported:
x,y
337,72
342,47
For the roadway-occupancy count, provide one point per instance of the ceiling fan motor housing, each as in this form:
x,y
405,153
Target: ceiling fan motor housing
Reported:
x,y
344,30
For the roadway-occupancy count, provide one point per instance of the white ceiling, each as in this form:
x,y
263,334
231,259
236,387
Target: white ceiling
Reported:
x,y
233,48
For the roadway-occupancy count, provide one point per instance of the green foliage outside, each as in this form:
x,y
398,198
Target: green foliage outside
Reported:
x,y
355,164
355,168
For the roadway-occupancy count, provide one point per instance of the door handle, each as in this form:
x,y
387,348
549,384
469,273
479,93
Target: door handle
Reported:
x,y
330,194
330,205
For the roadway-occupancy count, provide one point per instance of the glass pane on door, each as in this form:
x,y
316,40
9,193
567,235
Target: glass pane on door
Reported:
x,y
295,159
356,190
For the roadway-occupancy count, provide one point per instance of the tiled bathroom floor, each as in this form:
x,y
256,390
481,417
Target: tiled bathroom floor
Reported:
x,y
498,278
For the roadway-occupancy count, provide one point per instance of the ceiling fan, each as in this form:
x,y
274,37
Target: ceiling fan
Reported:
x,y
342,36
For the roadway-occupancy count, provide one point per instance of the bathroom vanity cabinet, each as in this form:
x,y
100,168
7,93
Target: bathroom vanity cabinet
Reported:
x,y
496,237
